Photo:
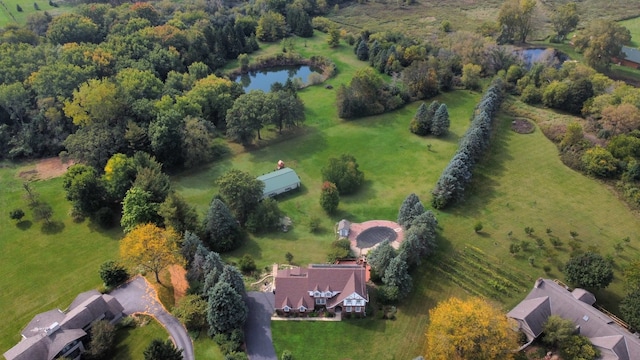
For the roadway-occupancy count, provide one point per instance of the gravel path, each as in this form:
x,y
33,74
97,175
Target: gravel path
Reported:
x,y
137,296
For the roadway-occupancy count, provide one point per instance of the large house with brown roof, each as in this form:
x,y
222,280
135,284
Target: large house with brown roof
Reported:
x,y
55,333
550,298
339,289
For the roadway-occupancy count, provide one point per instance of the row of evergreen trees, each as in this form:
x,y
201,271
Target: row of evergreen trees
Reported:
x,y
476,140
392,267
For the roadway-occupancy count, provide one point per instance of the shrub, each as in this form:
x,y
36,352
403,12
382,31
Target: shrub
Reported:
x,y
329,197
18,8
247,264
191,310
286,355
36,6
289,257
16,214
113,274
103,335
230,342
477,227
314,224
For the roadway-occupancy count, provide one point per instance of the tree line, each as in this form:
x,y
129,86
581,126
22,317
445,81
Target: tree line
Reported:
x,y
451,184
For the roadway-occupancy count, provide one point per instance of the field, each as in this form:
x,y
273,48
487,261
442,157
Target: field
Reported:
x,y
423,18
9,13
634,27
42,270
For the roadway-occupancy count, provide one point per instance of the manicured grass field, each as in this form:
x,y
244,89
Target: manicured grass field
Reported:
x,y
634,27
42,271
131,342
10,15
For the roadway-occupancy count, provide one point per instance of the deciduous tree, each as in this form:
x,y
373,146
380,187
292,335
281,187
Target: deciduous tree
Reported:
x,y
103,336
241,192
151,248
329,197
565,19
191,310
84,188
600,41
271,27
516,19
343,172
112,273
454,331
138,208
589,270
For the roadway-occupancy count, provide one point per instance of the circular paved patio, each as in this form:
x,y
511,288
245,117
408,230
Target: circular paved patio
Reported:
x,y
367,235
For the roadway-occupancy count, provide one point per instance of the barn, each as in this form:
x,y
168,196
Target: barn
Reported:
x,y
631,57
279,181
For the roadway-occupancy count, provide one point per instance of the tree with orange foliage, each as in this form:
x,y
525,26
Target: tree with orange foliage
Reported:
x,y
151,247
471,329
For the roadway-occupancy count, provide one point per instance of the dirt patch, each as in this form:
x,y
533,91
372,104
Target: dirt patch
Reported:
x,y
179,281
45,169
522,126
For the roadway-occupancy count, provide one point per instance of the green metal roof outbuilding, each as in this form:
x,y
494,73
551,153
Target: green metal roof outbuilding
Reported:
x,y
279,181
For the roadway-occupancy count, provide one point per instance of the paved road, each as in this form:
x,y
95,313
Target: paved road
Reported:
x,y
137,296
257,329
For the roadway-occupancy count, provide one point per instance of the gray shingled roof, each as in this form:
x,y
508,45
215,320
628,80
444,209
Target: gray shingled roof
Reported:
x,y
614,341
86,308
533,313
631,54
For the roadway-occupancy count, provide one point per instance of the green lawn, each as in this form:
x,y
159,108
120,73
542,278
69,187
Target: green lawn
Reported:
x,y
131,342
10,15
634,27
42,271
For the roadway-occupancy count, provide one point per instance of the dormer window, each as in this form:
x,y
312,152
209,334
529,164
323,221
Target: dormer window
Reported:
x,y
286,309
317,294
302,309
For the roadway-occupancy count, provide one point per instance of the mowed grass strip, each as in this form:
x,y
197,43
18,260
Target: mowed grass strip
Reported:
x,y
10,15
42,271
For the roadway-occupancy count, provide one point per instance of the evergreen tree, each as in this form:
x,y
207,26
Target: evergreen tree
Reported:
x,y
420,240
380,257
232,276
363,51
410,209
190,245
397,275
221,231
440,124
162,350
226,309
420,124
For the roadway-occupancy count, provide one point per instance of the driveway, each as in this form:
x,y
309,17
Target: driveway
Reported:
x,y
137,296
257,329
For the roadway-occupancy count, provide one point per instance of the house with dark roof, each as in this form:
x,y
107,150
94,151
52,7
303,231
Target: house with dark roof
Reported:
x,y
631,57
279,181
550,298
55,333
339,289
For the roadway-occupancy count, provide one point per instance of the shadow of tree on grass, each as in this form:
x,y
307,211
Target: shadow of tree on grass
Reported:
x,y
52,227
24,224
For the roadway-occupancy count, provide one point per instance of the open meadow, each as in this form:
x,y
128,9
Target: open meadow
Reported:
x,y
9,13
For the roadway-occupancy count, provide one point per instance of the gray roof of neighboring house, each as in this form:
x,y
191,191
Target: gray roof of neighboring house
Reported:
x,y
614,341
41,344
631,54
279,179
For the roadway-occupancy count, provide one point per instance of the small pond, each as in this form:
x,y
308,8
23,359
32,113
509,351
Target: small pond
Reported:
x,y
547,56
263,79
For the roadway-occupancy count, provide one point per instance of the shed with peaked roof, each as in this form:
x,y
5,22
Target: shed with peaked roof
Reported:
x,y
279,181
630,57
344,227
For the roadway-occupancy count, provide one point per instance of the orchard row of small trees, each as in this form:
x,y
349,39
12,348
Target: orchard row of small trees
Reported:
x,y
476,140
392,267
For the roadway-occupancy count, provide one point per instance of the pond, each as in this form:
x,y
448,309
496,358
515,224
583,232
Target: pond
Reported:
x,y
263,79
548,56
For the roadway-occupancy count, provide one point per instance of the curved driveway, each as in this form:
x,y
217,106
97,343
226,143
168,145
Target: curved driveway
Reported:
x,y
137,296
257,329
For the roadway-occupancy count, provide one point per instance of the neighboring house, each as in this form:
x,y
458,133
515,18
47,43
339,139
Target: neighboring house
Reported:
x,y
343,228
549,298
54,334
279,181
336,288
631,57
